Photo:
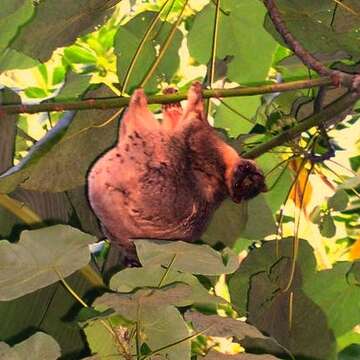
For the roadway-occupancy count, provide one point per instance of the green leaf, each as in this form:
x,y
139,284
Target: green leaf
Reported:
x,y
161,324
79,55
316,215
38,346
241,35
318,28
126,305
261,221
7,222
49,28
36,92
192,258
235,115
20,316
14,13
303,330
352,352
327,226
40,258
278,181
234,216
127,40
12,59
219,326
351,183
215,355
336,295
338,201
351,337
152,276
51,165
101,341
261,259
74,87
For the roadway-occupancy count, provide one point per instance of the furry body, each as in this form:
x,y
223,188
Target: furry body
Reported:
x,y
164,180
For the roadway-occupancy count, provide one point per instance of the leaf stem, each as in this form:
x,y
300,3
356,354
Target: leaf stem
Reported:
x,y
167,271
20,210
70,290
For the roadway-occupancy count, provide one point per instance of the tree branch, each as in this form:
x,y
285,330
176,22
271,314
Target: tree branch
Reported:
x,y
119,102
338,77
337,107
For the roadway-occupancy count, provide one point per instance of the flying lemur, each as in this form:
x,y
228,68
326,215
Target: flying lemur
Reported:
x,y
165,180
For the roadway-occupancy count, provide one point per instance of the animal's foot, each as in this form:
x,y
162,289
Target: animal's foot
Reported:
x,y
172,112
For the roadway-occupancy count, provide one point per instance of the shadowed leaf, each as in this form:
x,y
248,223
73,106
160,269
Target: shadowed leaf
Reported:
x,y
40,257
38,346
192,258
58,23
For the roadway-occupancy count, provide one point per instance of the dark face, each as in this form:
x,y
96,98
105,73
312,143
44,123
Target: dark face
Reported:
x,y
247,181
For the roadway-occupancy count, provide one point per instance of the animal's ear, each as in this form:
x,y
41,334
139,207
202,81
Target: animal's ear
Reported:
x,y
137,116
171,112
195,105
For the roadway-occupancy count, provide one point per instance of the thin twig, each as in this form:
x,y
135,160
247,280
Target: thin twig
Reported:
x,y
119,102
338,77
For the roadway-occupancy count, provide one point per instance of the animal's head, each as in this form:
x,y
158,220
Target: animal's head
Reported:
x,y
244,180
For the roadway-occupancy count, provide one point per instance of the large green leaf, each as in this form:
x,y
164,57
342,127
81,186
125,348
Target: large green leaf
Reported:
x,y
101,342
58,23
278,181
261,259
261,222
12,59
252,220
61,159
235,115
46,310
153,276
159,322
241,34
40,258
192,258
127,305
74,87
38,346
128,39
338,296
318,29
292,318
215,325
235,216
14,13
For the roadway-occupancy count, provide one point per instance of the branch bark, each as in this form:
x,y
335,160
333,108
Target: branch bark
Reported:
x,y
119,102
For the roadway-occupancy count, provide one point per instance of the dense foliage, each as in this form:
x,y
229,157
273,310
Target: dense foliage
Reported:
x,y
277,277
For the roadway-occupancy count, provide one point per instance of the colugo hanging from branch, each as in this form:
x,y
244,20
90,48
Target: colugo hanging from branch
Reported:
x,y
165,180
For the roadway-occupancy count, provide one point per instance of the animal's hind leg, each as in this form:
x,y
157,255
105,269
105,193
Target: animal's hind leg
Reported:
x,y
195,105
138,117
171,113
